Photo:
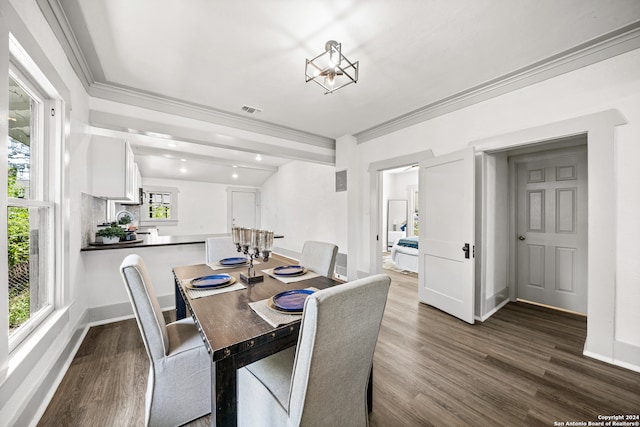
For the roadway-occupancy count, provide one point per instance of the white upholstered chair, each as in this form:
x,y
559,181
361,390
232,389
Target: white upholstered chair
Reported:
x,y
319,257
323,380
179,384
217,248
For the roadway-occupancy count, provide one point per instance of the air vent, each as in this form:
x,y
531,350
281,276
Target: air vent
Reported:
x,y
251,110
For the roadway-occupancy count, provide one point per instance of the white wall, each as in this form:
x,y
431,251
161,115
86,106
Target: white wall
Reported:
x,y
610,84
202,207
299,202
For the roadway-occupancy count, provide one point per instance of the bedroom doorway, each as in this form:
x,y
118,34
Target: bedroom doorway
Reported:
x,y
382,179
399,214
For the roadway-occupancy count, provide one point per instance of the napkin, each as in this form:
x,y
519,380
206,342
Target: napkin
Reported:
x,y
291,279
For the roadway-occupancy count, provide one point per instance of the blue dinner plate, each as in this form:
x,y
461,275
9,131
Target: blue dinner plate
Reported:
x,y
291,300
289,270
212,281
233,261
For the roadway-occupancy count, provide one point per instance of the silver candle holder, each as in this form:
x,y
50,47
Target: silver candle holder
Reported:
x,y
255,244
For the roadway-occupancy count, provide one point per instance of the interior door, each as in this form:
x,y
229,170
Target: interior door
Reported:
x,y
552,230
243,209
446,242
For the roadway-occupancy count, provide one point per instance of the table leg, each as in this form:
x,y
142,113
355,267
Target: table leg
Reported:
x,y
223,395
181,307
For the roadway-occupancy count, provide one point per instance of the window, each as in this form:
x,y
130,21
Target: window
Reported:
x,y
160,205
30,206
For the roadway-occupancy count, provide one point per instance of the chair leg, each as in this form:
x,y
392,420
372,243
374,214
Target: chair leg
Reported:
x,y
370,391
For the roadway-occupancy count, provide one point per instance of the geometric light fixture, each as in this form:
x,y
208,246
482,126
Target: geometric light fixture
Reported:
x,y
331,69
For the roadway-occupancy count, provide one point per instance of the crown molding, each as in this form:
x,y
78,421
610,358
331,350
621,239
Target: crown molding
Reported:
x,y
57,19
617,42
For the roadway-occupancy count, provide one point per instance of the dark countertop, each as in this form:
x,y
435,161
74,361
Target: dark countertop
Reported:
x,y
150,240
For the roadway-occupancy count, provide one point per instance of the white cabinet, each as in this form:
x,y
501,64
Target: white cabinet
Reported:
x,y
114,174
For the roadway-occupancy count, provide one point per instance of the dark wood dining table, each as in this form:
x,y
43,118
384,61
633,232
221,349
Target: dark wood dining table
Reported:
x,y
233,333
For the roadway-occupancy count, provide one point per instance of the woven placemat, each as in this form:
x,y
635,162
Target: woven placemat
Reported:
x,y
272,317
292,279
200,293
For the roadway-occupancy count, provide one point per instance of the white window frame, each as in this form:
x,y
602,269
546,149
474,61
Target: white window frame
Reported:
x,y
174,191
45,190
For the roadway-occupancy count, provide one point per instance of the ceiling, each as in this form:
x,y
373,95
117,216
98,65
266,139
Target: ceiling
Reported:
x,y
208,59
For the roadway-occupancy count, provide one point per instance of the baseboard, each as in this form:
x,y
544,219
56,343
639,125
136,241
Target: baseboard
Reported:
x,y
122,311
625,355
55,376
286,253
492,312
41,397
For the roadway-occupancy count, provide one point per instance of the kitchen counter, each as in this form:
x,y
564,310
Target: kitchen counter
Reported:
x,y
150,240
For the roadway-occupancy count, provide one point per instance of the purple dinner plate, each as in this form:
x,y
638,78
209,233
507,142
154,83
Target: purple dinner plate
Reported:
x,y
291,300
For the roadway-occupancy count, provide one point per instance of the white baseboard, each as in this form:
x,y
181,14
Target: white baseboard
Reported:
x,y
492,312
625,355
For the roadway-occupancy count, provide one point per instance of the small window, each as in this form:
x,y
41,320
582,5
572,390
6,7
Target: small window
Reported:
x,y
160,206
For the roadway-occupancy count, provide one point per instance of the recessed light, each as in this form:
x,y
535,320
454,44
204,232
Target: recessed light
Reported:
x,y
183,170
234,176
258,157
235,166
183,160
172,145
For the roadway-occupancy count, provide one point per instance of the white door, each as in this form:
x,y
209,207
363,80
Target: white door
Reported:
x,y
552,230
243,209
446,242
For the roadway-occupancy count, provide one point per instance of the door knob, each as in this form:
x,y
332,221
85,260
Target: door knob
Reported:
x,y
521,237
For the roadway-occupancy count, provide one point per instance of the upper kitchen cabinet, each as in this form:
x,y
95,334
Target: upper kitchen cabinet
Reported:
x,y
114,174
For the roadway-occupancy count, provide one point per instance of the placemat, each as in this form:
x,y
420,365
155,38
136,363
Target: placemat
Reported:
x,y
289,279
272,317
216,266
200,293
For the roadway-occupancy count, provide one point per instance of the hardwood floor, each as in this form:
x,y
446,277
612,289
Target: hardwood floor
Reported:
x,y
523,366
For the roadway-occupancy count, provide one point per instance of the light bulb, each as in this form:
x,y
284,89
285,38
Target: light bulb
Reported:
x,y
330,79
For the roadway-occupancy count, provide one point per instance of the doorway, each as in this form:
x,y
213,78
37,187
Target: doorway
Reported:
x,y
399,210
378,207
243,207
550,210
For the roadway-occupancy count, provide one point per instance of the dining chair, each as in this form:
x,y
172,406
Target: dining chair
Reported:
x,y
319,257
323,380
217,248
179,383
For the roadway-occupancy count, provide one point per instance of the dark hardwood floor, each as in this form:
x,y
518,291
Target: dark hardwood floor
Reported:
x,y
523,366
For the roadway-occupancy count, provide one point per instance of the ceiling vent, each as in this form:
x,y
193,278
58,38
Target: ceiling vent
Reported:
x,y
251,110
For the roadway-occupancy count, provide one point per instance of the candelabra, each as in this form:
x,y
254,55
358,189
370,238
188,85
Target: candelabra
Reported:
x,y
255,244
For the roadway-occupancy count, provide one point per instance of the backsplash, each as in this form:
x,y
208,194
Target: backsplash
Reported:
x,y
95,210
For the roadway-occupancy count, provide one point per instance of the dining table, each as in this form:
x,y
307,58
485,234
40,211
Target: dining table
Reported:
x,y
234,334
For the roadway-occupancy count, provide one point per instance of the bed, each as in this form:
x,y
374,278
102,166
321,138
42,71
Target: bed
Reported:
x,y
404,253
